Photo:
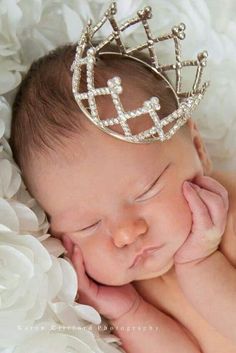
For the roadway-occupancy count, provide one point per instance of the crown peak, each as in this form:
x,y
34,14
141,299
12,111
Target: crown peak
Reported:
x,y
113,8
145,13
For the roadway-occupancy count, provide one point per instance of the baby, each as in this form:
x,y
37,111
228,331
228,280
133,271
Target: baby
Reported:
x,y
149,228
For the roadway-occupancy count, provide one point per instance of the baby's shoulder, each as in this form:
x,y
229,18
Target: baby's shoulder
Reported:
x,y
228,243
228,180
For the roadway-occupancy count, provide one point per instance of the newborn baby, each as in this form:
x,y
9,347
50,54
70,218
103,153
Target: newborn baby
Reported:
x,y
149,228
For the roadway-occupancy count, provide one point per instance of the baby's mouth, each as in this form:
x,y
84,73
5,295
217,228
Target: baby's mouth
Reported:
x,y
146,253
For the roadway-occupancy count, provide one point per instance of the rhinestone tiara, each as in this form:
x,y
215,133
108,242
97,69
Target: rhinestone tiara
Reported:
x,y
87,53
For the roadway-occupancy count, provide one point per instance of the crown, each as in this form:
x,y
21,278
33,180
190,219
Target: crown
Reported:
x,y
87,54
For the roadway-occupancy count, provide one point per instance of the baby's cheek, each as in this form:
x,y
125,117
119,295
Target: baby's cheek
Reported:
x,y
178,218
186,217
102,265
106,273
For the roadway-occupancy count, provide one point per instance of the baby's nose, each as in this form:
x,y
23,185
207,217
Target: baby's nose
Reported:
x,y
127,233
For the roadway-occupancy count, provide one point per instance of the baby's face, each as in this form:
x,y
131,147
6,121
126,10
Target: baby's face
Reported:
x,y
99,193
103,200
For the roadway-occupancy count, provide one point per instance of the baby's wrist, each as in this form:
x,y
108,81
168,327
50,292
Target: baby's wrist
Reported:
x,y
138,305
188,264
182,269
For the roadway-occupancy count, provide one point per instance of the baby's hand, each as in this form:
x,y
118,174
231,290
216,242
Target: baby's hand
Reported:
x,y
208,201
113,302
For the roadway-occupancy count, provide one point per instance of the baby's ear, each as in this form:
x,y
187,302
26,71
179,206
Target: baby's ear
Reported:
x,y
200,147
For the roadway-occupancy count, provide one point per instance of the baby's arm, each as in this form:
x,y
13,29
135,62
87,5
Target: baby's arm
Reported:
x,y
210,285
206,277
158,333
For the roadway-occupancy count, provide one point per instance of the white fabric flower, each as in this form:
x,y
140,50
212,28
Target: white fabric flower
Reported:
x,y
5,116
36,289
24,283
39,230
31,280
10,74
18,217
69,341
2,130
10,179
216,120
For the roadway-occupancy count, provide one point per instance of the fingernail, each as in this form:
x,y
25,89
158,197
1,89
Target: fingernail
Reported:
x,y
196,187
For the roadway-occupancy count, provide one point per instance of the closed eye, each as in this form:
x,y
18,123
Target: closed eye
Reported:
x,y
151,187
89,227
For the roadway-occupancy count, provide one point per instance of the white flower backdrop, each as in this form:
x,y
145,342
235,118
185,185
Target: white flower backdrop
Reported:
x,y
37,287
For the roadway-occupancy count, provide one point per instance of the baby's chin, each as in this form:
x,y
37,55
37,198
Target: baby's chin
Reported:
x,y
155,274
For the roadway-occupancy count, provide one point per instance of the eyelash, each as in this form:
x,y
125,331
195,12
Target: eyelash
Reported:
x,y
140,199
144,198
89,227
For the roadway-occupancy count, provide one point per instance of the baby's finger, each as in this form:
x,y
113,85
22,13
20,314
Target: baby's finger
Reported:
x,y
213,185
88,289
201,216
68,244
215,205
